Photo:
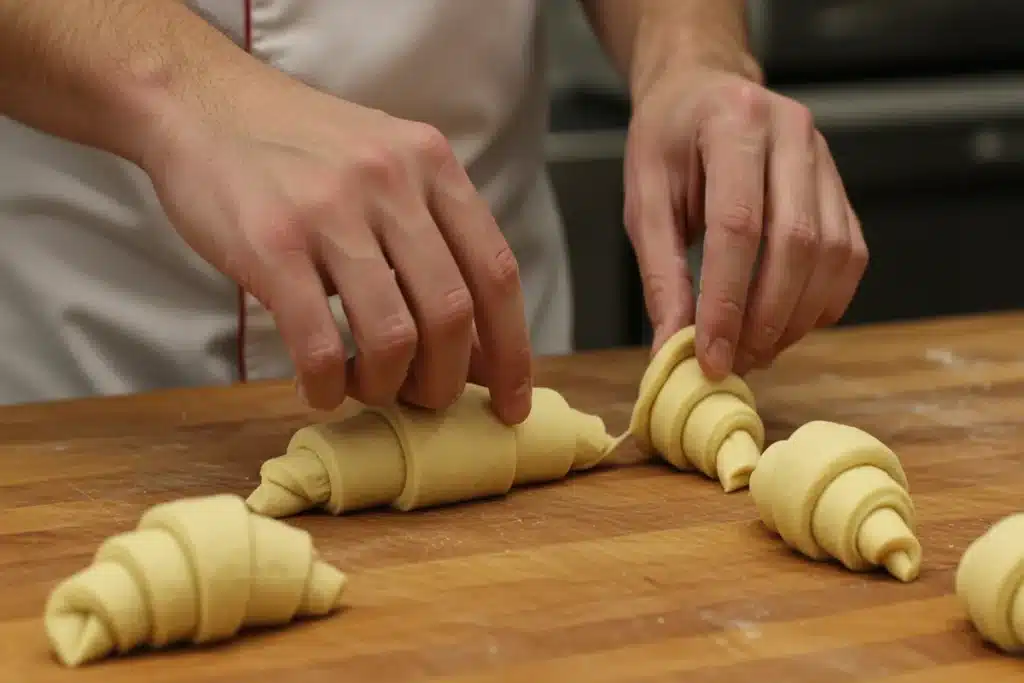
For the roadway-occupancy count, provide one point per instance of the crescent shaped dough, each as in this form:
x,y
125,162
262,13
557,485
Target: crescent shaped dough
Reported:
x,y
834,491
411,458
989,580
692,422
197,570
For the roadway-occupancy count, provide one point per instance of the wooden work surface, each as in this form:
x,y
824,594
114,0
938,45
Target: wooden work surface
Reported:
x,y
634,574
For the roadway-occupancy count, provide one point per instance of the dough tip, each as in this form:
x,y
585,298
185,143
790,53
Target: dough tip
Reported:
x,y
78,637
902,566
324,590
273,500
736,479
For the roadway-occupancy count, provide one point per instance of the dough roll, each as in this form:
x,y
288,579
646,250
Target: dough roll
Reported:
x,y
196,570
834,491
411,458
990,584
694,423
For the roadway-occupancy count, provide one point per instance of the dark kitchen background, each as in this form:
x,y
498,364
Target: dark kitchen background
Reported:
x,y
922,103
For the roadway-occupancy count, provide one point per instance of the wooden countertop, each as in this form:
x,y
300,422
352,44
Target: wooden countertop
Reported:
x,y
634,574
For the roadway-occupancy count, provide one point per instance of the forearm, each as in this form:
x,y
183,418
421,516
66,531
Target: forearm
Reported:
x,y
642,37
111,74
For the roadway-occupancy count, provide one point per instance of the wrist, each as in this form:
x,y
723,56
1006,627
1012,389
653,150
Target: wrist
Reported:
x,y
667,49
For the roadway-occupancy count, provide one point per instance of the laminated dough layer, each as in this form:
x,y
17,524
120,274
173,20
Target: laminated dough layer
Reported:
x,y
411,458
194,570
694,423
990,583
834,491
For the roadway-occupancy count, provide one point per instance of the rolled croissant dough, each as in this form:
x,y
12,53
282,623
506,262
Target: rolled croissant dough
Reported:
x,y
834,491
410,458
196,569
693,422
989,582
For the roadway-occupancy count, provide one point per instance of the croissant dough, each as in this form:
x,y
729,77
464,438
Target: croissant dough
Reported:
x,y
196,569
989,582
693,422
411,458
832,490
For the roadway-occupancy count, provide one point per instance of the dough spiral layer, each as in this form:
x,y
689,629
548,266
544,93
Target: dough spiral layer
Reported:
x,y
198,570
832,490
990,583
692,422
412,458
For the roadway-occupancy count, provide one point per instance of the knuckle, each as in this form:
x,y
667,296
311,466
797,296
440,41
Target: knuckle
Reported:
x,y
748,101
453,313
739,222
503,272
321,197
836,251
767,336
378,166
860,257
321,358
728,310
801,237
801,118
430,144
393,340
280,232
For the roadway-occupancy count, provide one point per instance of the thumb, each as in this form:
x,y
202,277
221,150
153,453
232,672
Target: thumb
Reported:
x,y
656,231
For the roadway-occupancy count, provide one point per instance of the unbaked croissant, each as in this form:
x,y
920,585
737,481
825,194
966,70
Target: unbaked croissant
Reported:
x,y
834,491
990,583
197,569
412,458
693,422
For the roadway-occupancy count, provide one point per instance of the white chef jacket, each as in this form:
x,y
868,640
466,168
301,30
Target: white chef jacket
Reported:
x,y
98,294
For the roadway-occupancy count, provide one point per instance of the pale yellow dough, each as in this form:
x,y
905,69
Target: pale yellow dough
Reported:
x,y
197,570
990,583
411,458
693,422
834,491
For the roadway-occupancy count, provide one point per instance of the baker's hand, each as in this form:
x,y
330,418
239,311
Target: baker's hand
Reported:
x,y
297,195
710,152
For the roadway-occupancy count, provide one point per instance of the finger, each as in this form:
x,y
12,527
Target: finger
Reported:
x,y
845,287
298,303
491,272
382,326
734,153
437,297
657,239
850,278
477,362
792,235
835,253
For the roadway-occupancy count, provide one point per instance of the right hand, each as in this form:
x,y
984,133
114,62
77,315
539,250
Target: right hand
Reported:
x,y
297,195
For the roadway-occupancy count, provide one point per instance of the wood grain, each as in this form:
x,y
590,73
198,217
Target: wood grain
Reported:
x,y
631,574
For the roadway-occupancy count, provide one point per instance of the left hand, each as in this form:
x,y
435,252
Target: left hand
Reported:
x,y
711,152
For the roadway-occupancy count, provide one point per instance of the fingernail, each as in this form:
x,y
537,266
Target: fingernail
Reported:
x,y
720,355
